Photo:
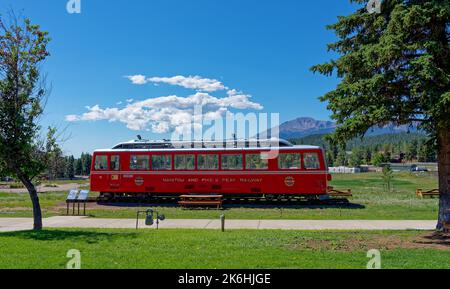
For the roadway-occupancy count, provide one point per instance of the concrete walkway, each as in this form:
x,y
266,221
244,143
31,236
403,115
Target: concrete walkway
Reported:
x,y
9,225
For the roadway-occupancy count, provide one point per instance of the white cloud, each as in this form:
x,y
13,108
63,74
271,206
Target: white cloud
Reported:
x,y
171,113
191,82
72,118
137,79
168,113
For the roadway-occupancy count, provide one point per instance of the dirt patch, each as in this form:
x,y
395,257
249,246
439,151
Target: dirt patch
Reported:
x,y
14,210
437,241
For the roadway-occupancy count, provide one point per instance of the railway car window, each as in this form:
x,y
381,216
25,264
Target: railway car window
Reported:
x,y
311,161
289,161
162,162
208,162
185,162
232,162
139,163
115,163
101,163
256,162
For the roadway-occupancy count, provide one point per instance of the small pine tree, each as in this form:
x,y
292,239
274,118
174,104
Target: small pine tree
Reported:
x,y
69,172
78,167
388,176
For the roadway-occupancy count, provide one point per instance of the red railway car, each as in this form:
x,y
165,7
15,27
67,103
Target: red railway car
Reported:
x,y
144,168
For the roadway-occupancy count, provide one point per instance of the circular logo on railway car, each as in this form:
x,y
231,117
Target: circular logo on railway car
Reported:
x,y
139,181
289,181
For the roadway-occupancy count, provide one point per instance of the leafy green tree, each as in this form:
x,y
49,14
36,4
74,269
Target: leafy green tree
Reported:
x,y
367,155
23,47
341,159
56,162
387,156
394,67
2,170
330,158
378,159
356,158
411,150
426,153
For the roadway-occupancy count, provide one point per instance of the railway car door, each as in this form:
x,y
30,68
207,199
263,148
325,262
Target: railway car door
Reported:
x,y
98,176
314,164
115,177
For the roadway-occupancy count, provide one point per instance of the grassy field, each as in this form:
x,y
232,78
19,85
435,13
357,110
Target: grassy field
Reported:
x,y
204,249
370,201
45,183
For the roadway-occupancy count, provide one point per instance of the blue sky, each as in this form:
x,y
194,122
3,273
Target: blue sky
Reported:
x,y
258,48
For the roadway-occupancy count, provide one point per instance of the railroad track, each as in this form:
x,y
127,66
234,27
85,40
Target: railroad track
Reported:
x,y
230,201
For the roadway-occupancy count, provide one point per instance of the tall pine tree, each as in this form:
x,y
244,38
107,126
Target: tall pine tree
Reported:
x,y
394,67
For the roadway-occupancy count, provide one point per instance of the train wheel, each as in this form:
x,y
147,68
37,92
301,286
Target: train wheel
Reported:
x,y
106,197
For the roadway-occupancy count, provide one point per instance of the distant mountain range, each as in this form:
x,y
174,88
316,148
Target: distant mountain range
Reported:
x,y
306,126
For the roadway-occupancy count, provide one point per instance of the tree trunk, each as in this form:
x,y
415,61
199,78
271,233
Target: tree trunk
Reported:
x,y
444,178
37,214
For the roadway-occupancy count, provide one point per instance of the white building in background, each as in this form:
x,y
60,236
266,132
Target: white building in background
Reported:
x,y
344,170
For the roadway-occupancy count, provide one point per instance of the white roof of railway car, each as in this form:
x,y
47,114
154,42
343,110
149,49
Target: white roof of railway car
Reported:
x,y
301,147
289,146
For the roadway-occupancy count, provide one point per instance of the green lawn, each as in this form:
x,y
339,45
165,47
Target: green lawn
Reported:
x,y
369,202
19,204
181,249
62,182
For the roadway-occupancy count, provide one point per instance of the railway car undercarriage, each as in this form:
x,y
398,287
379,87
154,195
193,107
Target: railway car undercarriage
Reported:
x,y
229,199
